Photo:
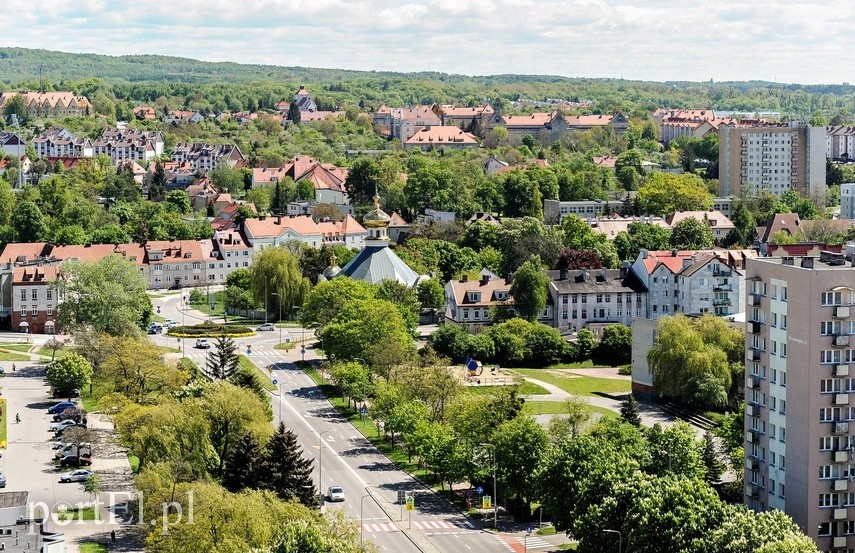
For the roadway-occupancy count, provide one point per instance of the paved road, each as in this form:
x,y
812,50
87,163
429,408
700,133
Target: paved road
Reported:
x,y
370,480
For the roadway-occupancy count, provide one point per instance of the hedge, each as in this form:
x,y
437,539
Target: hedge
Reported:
x,y
210,330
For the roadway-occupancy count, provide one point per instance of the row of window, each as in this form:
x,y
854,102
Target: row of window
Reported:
x,y
836,414
838,528
601,313
775,432
602,298
835,356
838,443
34,294
166,268
836,298
837,385
35,310
830,328
842,499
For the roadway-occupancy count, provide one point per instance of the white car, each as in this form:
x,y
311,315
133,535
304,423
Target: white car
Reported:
x,y
265,326
79,475
2,480
61,424
203,343
335,493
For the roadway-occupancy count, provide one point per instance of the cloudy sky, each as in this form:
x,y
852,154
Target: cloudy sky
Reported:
x,y
777,40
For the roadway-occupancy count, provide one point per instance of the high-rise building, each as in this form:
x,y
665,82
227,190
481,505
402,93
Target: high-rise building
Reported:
x,y
799,411
772,158
847,200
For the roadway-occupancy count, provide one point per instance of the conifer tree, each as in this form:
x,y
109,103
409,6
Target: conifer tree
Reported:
x,y
287,473
714,467
629,411
223,362
244,466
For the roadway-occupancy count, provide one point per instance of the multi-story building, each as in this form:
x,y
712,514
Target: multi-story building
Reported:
x,y
774,159
52,104
34,299
206,157
799,414
847,200
840,142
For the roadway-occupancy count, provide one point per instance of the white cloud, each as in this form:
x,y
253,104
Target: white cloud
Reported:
x,y
640,39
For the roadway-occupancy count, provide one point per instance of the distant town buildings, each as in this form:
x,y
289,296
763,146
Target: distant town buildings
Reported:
x,y
51,104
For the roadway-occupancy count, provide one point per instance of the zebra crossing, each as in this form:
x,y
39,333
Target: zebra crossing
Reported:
x,y
533,542
261,357
430,527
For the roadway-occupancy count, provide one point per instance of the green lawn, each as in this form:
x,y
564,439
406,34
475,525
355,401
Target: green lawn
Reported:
x,y
3,420
84,513
578,385
23,348
45,351
263,376
8,356
557,408
525,388
92,547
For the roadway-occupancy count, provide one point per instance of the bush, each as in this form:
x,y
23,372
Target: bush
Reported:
x,y
207,329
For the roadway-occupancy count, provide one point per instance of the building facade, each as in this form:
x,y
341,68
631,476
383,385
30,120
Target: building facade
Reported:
x,y
847,200
799,422
774,159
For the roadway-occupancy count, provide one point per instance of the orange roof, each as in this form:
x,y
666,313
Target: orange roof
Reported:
x,y
588,120
34,275
488,291
96,252
442,134
535,119
23,251
396,220
605,161
176,250
464,111
272,227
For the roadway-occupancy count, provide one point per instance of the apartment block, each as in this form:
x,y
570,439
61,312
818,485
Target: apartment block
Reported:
x,y
847,200
772,158
799,411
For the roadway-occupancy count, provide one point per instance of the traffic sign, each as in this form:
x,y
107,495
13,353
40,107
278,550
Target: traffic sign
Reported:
x,y
528,530
275,382
402,496
364,410
486,502
302,350
411,503
479,490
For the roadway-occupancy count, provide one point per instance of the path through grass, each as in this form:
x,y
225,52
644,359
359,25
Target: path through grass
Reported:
x,y
578,385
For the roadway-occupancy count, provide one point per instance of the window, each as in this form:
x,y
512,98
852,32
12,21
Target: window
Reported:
x,y
23,310
35,294
49,294
832,298
35,310
50,310
829,356
783,293
782,432
828,328
783,349
23,294
783,406
575,298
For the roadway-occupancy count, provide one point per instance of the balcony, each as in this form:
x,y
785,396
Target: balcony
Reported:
x,y
754,327
753,464
752,382
754,299
841,399
752,410
839,456
841,370
722,272
753,436
841,312
840,340
840,428
723,287
838,542
841,485
722,301
751,490
839,514
755,353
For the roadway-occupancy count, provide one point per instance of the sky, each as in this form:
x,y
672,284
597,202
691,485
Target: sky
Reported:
x,y
657,40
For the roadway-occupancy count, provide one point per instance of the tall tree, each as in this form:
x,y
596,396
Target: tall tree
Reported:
x,y
294,114
692,234
29,223
223,362
363,180
276,271
629,410
69,373
530,289
288,473
157,184
244,467
714,467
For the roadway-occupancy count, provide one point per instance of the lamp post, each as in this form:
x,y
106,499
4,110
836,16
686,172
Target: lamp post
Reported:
x,y
280,315
492,448
619,537
320,460
361,523
302,334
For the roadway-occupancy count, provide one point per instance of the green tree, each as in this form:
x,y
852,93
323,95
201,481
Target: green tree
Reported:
x,y
353,381
405,299
223,362
276,271
362,323
578,235
641,235
520,444
15,106
107,296
712,464
227,179
530,289
327,299
666,193
288,473
71,372
29,223
431,294
629,411
231,412
692,234
363,180
178,201
586,342
244,465
294,114
615,347
157,182
675,451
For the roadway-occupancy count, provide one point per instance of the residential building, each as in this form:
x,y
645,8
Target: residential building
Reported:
x,y
178,117
398,228
51,104
304,100
544,127
441,137
495,165
145,113
205,157
469,302
273,231
403,123
59,142
12,145
554,211
799,444
34,299
595,299
716,220
692,282
467,118
725,205
327,179
840,143
847,200
782,223
347,232
226,252
613,224
435,216
774,159
21,531
617,121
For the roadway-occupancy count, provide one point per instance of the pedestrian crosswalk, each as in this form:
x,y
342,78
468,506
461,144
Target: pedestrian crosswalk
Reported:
x,y
428,526
261,357
533,542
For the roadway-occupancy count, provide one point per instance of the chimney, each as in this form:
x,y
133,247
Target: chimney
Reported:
x,y
674,252
562,274
484,280
583,275
624,269
604,274
509,279
807,262
465,278
278,220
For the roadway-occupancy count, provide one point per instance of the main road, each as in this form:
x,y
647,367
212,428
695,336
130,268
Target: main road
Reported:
x,y
345,458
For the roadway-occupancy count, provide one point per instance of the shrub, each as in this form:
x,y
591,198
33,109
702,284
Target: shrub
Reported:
x,y
207,329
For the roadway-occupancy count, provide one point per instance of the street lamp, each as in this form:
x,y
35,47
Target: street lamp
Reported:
x,y
495,505
361,523
280,316
302,334
320,460
619,537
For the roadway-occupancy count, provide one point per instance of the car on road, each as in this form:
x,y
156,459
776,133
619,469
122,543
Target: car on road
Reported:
x,y
60,407
203,343
155,328
265,326
74,461
335,493
79,475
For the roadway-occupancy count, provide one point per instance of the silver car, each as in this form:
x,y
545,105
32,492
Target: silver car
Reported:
x,y
335,493
79,475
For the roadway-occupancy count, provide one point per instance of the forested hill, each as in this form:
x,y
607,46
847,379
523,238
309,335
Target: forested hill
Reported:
x,y
141,77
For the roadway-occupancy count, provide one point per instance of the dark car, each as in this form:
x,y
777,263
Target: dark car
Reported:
x,y
75,461
60,407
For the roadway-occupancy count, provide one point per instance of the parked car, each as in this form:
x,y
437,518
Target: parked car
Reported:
x,y
60,407
79,475
58,433
58,416
85,450
203,343
335,493
2,480
169,323
265,326
74,461
57,444
55,426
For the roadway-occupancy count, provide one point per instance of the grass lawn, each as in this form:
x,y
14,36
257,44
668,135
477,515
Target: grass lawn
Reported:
x,y
525,388
578,385
23,348
557,408
155,318
3,419
8,356
85,513
90,400
263,377
47,352
92,547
